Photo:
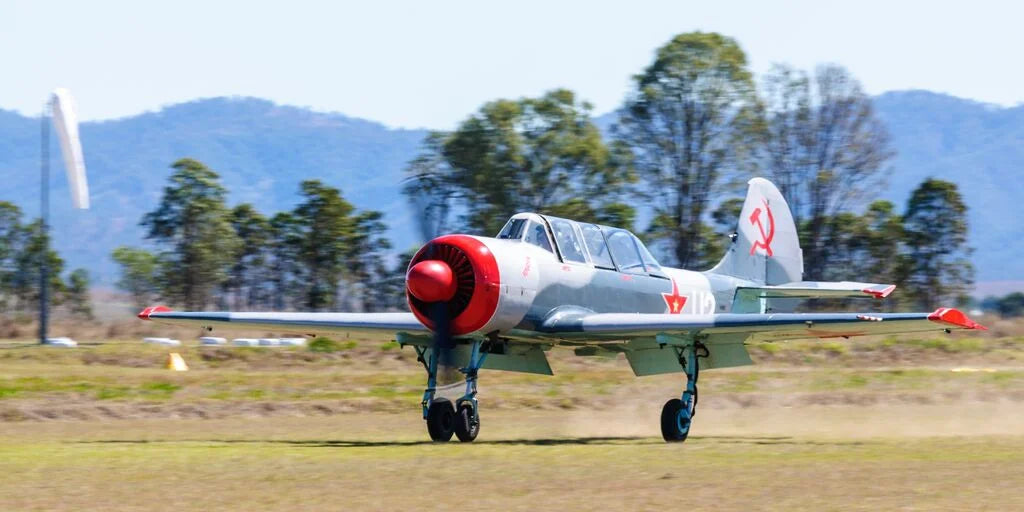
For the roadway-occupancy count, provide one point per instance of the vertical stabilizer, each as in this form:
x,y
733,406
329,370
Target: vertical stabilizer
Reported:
x,y
766,248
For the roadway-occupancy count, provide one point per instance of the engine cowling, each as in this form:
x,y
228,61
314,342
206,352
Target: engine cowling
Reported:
x,y
460,271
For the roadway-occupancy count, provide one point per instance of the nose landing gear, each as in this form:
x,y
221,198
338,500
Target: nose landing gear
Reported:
x,y
443,418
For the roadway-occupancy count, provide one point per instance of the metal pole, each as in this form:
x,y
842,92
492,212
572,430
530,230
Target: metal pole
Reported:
x,y
44,214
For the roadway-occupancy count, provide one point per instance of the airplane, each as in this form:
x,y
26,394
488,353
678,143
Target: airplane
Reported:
x,y
502,303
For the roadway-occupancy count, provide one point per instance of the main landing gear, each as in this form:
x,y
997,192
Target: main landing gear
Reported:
x,y
677,414
443,418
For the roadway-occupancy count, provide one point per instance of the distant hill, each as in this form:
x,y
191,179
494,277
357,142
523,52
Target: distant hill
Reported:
x,y
977,146
263,151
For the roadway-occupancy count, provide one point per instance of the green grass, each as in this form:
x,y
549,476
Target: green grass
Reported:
x,y
864,426
370,462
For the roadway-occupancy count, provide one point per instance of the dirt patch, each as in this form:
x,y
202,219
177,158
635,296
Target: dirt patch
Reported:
x,y
59,409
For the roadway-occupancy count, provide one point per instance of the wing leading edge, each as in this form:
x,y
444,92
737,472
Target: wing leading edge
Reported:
x,y
374,325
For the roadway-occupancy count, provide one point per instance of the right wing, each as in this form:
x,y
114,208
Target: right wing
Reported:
x,y
366,325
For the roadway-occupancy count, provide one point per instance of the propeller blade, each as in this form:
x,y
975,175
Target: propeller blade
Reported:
x,y
442,342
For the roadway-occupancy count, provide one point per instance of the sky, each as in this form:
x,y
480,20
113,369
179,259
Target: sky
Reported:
x,y
429,64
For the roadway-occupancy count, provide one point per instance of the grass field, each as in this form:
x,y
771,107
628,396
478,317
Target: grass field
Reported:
x,y
525,462
869,425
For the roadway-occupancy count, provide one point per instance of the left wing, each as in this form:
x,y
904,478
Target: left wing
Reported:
x,y
368,325
643,336
758,327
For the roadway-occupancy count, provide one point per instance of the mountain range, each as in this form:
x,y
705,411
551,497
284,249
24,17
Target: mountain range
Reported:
x,y
263,150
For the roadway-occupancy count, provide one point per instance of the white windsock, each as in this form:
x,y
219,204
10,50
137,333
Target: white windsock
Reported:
x,y
65,120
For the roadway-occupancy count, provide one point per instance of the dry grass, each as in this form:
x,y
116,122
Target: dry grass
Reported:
x,y
870,425
523,462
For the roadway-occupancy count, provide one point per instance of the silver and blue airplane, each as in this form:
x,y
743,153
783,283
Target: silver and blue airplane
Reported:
x,y
543,282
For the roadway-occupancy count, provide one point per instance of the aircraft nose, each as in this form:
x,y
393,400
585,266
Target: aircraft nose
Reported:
x,y
431,281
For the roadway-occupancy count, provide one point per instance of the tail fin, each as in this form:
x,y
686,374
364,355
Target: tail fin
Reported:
x,y
766,248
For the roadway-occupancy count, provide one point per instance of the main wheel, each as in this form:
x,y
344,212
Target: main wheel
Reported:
x,y
441,420
675,424
465,428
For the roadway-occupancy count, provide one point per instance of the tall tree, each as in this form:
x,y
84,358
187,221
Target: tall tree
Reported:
x,y
139,274
824,147
366,258
433,187
327,225
390,293
10,233
935,222
283,269
1012,305
77,294
245,276
28,253
686,120
533,154
192,221
885,261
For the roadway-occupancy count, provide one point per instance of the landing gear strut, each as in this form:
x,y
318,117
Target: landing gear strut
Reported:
x,y
444,419
677,414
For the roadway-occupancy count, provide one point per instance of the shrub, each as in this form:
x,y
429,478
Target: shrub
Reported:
x,y
322,344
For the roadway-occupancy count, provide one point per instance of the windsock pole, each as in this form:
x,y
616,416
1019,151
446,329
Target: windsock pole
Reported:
x,y
60,108
44,214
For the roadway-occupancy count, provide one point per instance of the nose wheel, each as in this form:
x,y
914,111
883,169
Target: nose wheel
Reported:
x,y
441,420
442,417
467,423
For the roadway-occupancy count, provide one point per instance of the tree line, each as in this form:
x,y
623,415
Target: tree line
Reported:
x,y
695,125
22,253
322,255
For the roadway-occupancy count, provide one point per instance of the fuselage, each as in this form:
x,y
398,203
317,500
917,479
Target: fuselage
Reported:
x,y
537,287
523,283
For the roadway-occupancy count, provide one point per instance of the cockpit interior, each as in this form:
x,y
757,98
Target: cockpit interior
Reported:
x,y
582,243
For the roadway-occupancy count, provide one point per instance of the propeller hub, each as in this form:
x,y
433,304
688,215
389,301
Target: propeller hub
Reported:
x,y
431,281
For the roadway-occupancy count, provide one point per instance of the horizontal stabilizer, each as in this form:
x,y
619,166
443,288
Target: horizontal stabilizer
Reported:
x,y
817,290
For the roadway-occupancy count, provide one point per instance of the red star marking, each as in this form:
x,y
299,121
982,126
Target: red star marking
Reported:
x,y
674,301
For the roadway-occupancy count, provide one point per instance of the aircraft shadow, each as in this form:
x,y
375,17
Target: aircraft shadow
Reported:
x,y
558,441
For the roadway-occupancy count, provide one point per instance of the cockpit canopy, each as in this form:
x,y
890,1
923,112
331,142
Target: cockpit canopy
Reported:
x,y
583,243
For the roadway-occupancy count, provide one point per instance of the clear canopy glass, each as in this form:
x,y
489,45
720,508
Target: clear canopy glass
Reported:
x,y
581,242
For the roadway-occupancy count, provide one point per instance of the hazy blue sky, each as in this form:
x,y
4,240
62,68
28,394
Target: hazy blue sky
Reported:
x,y
430,63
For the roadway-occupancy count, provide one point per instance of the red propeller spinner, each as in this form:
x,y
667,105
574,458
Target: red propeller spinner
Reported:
x,y
432,281
459,271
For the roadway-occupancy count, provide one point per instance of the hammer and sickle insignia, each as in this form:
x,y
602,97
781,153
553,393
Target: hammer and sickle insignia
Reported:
x,y
766,238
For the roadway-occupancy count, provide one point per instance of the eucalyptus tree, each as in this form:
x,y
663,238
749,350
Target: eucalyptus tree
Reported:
x,y
540,154
192,223
689,120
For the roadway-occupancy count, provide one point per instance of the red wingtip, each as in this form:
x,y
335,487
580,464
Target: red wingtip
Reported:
x,y
955,317
144,314
880,294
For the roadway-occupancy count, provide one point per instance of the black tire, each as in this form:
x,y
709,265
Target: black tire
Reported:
x,y
441,420
465,429
671,430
